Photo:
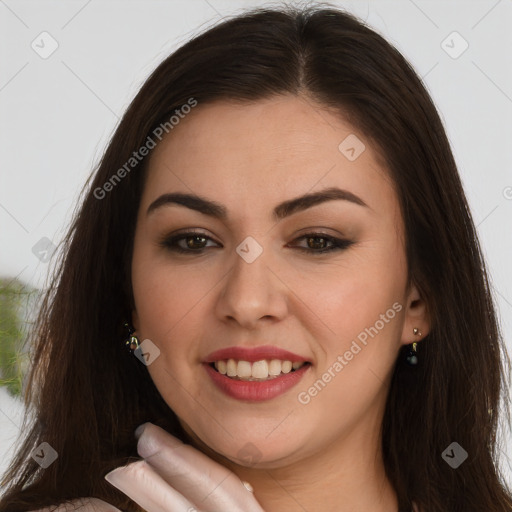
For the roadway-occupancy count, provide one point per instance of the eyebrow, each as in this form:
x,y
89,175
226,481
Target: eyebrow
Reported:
x,y
282,210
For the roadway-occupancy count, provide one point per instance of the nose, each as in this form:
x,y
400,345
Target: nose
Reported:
x,y
252,294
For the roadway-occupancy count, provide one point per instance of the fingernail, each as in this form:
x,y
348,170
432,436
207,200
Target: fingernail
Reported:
x,y
147,446
115,476
153,442
139,430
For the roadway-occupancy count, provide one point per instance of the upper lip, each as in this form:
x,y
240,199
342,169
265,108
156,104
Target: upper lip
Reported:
x,y
254,354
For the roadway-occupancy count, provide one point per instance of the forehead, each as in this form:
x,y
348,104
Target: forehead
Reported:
x,y
264,151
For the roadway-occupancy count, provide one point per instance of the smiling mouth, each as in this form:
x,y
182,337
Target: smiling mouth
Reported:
x,y
259,371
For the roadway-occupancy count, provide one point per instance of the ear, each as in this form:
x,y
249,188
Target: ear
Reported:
x,y
416,316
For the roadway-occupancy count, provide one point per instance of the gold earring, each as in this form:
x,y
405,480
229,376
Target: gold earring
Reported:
x,y
132,343
412,356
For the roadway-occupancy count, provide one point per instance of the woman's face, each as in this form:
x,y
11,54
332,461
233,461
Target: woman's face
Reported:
x,y
253,275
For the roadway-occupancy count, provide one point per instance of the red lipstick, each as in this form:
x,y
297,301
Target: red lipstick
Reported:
x,y
254,354
255,391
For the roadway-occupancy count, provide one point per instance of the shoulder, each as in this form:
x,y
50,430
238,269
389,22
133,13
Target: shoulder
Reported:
x,y
81,505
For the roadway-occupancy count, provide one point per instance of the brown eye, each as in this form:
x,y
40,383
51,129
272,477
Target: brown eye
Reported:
x,y
195,242
187,243
319,243
316,242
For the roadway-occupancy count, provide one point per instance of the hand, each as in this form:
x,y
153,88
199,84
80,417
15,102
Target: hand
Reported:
x,y
175,477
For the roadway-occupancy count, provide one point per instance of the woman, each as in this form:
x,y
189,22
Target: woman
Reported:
x,y
279,234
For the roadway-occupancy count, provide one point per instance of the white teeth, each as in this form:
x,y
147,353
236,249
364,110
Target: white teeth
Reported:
x,y
258,370
222,367
231,368
274,368
286,366
244,369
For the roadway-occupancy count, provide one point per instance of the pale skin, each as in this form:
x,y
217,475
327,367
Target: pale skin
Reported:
x,y
324,455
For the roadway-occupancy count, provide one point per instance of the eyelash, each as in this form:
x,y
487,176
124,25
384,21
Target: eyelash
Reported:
x,y
337,244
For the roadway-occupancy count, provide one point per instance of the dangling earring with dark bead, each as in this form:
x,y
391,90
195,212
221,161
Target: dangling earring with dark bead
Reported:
x,y
412,356
132,342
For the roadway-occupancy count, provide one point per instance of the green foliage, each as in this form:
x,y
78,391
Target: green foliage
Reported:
x,y
14,302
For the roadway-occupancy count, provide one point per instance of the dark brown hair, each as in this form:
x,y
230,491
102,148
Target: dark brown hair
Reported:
x,y
88,394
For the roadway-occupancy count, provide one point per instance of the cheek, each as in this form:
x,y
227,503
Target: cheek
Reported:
x,y
355,289
173,302
362,304
364,312
166,294
169,301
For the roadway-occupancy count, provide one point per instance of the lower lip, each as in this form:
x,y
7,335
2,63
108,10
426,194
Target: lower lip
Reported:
x,y
254,391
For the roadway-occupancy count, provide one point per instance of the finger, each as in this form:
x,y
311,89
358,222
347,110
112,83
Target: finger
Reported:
x,y
143,485
203,481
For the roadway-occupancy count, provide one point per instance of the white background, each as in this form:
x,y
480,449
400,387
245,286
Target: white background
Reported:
x,y
57,113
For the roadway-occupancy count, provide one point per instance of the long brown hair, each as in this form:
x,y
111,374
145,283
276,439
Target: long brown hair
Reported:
x,y
87,394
